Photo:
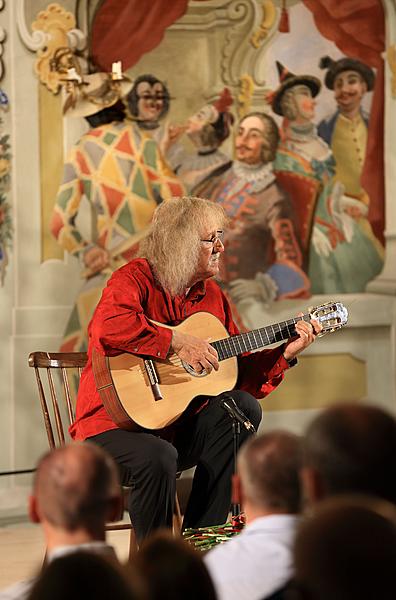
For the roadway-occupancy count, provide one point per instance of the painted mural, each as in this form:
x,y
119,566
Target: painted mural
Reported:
x,y
293,153
6,228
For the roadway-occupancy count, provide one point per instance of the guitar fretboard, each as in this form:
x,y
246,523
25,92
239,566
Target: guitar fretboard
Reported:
x,y
258,338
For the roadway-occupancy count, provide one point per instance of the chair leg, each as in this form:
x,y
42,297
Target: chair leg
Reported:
x,y
177,517
133,547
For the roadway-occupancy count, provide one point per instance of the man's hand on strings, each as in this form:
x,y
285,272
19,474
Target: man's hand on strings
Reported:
x,y
305,335
194,351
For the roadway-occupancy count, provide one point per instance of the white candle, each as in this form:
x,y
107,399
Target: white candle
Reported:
x,y
116,70
73,75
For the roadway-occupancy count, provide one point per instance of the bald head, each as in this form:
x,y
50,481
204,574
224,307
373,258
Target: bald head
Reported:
x,y
74,486
352,448
268,467
346,550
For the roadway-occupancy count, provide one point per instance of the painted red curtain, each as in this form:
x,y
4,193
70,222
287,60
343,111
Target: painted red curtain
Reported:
x,y
126,29
357,27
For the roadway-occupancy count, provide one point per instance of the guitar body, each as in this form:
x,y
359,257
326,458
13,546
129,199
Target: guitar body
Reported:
x,y
177,386
140,391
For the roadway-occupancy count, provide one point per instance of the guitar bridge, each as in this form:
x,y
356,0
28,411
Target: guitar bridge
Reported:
x,y
153,379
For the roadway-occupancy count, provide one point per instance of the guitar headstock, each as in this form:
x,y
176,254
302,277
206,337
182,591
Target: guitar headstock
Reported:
x,y
331,315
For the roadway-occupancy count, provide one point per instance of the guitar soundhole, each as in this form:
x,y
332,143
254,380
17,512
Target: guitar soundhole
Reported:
x,y
193,372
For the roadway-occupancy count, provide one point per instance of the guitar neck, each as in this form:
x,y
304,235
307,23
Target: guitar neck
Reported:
x,y
257,338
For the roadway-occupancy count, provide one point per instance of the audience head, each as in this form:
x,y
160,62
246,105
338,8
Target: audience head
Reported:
x,y
81,575
350,448
173,570
268,473
346,550
76,487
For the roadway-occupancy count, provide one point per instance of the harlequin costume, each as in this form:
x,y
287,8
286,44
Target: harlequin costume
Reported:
x,y
120,171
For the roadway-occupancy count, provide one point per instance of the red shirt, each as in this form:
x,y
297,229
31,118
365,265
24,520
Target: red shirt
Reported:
x,y
120,324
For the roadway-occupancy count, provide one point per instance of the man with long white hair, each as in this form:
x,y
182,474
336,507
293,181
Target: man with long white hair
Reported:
x,y
169,282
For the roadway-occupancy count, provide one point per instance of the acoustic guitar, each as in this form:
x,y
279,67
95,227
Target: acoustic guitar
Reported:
x,y
140,391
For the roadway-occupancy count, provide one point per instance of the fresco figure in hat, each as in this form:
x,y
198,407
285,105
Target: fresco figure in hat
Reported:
x,y
339,255
263,256
120,172
148,103
345,130
207,129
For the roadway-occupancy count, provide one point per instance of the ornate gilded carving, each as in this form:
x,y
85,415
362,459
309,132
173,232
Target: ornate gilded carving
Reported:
x,y
244,97
391,56
56,22
267,22
238,53
241,17
233,21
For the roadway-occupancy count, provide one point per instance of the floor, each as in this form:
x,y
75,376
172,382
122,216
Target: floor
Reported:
x,y
22,546
22,550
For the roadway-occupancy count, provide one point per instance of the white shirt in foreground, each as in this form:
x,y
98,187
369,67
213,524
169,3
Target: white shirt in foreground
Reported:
x,y
255,563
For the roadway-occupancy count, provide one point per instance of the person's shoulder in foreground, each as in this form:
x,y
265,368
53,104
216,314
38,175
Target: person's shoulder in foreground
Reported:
x,y
258,561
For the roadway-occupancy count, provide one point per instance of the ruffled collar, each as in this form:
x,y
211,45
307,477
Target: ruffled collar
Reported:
x,y
258,176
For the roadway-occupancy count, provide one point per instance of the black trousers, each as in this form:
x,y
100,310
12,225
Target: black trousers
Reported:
x,y
149,464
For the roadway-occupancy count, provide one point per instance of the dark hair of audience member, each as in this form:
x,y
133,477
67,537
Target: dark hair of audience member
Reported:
x,y
346,550
82,575
268,466
353,449
172,569
77,486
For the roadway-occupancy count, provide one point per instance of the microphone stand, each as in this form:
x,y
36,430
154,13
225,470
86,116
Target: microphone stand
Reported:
x,y
236,433
237,417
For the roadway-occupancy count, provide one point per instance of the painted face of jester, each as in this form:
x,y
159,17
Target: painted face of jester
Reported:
x,y
150,100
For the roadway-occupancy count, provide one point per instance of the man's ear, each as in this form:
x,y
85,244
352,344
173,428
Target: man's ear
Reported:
x,y
312,485
33,511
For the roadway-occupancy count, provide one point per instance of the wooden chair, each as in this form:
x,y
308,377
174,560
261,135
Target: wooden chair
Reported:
x,y
58,375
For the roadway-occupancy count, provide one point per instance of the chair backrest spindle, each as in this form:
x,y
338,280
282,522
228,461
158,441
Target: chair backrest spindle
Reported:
x,y
55,408
44,409
63,371
68,400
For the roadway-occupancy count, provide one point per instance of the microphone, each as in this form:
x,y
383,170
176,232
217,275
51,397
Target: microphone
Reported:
x,y
229,405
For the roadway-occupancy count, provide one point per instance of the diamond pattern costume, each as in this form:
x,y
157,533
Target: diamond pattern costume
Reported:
x,y
120,171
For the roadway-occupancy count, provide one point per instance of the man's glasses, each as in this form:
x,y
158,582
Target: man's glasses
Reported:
x,y
219,237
